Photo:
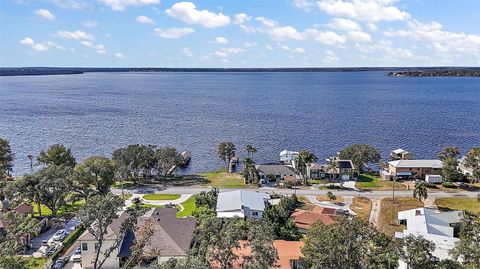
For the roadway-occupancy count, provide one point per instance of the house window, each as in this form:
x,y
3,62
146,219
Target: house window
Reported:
x,y
84,247
254,213
96,246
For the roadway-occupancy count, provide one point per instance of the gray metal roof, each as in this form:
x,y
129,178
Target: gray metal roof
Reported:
x,y
237,200
417,163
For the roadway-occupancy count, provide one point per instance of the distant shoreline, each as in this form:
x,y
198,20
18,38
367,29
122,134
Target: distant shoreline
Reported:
x,y
394,71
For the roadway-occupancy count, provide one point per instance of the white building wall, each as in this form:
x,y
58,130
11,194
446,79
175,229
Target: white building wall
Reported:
x,y
88,256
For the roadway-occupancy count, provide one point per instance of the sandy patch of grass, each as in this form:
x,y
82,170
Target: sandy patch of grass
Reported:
x,y
362,206
220,179
387,219
324,198
458,203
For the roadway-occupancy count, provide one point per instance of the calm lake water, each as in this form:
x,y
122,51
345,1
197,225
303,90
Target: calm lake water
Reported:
x,y
96,113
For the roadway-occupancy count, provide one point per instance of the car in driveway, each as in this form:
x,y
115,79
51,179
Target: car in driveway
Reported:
x,y
59,235
76,256
59,263
52,249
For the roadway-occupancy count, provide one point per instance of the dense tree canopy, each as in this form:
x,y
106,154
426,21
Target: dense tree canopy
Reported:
x,y
360,154
226,152
6,159
55,183
57,155
93,175
449,156
250,172
417,252
468,248
277,217
472,160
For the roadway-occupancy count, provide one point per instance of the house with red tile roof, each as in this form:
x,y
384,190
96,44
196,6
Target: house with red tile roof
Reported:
x,y
303,219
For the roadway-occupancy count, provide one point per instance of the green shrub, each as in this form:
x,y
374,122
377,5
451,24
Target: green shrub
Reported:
x,y
448,184
68,241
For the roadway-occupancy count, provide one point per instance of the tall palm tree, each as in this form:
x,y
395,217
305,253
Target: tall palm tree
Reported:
x,y
420,191
250,150
30,157
333,165
250,173
302,160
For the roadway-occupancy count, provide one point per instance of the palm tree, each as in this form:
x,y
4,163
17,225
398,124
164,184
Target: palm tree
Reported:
x,y
333,165
302,160
420,191
331,196
250,150
30,157
250,173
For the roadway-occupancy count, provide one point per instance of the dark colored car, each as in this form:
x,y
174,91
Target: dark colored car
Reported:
x,y
59,263
51,250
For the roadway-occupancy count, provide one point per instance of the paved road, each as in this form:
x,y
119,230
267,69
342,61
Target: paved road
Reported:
x,y
368,194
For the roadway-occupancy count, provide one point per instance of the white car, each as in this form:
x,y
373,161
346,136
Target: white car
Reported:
x,y
59,235
76,256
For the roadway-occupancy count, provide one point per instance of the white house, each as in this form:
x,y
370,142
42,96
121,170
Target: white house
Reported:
x,y
241,203
439,227
287,156
433,178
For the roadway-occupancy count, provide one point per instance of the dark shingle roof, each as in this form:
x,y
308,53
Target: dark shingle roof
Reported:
x,y
275,169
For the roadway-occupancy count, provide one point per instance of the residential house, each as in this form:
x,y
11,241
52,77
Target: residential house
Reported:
x,y
303,219
277,171
344,171
408,169
171,238
289,253
22,209
241,203
442,228
466,171
400,154
288,156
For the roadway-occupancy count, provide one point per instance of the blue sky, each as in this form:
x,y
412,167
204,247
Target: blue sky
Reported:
x,y
239,33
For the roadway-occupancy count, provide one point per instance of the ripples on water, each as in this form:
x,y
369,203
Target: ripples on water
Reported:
x,y
324,112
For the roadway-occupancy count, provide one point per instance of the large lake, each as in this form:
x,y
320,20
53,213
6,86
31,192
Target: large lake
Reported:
x,y
96,113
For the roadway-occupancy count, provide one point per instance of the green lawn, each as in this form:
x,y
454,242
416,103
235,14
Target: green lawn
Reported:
x,y
317,181
189,207
458,203
126,196
35,263
63,210
368,181
220,179
161,196
151,206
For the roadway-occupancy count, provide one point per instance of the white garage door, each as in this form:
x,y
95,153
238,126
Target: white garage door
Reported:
x,y
345,177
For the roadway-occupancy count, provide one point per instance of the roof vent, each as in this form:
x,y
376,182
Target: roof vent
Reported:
x,y
418,212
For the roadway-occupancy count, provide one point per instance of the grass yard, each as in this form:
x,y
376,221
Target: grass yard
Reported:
x,y
304,203
458,203
362,206
35,263
63,210
158,196
387,219
318,181
324,198
151,206
126,196
371,182
220,179
188,207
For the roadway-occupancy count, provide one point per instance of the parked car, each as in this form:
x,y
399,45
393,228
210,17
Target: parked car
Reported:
x,y
59,235
76,256
59,263
51,250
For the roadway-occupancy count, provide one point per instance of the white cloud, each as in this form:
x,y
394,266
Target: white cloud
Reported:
x,y
76,35
365,10
187,12
173,32
344,25
250,44
90,24
123,4
359,36
226,52
221,40
27,41
304,4
300,50
328,37
372,27
145,19
277,32
187,52
330,57
268,47
285,47
40,47
70,4
99,48
241,18
119,55
45,13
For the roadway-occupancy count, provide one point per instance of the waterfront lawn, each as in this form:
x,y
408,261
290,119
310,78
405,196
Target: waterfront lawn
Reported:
x,y
362,206
157,196
371,182
387,218
458,203
188,207
221,179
